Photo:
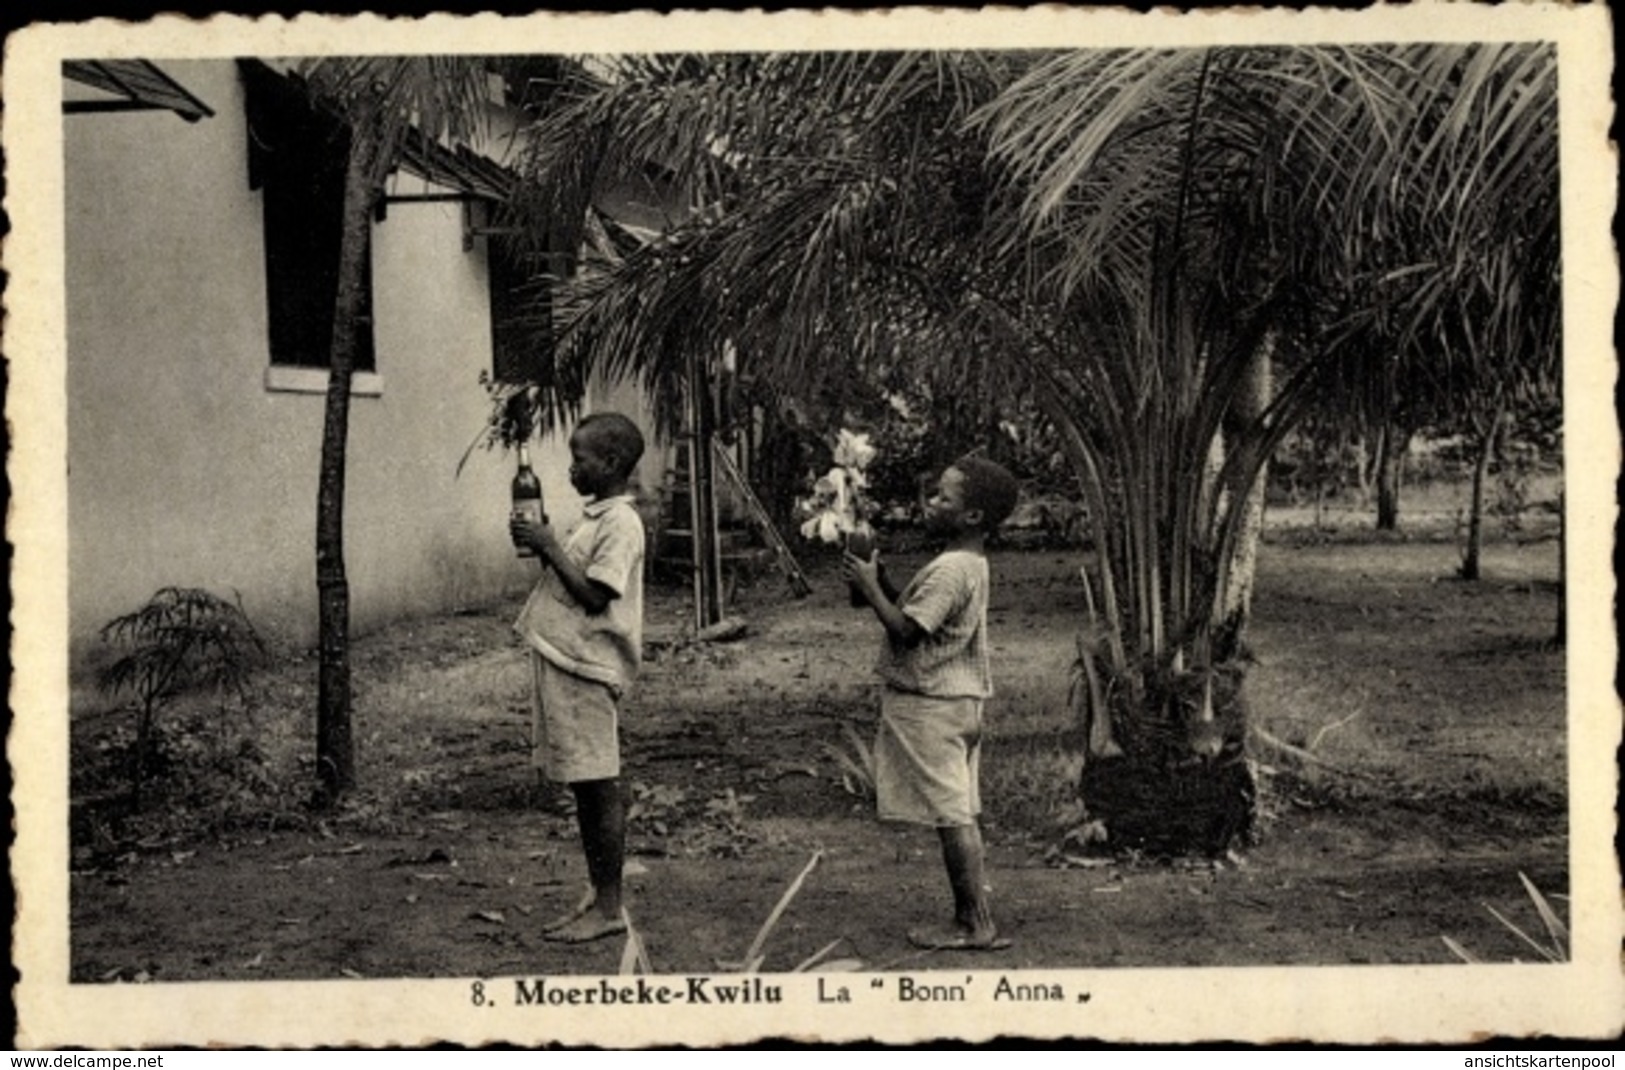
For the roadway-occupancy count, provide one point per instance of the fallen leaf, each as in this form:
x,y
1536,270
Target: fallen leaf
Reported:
x,y
256,962
413,898
353,849
493,916
634,868
352,973
111,974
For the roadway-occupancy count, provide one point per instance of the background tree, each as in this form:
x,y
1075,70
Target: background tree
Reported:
x,y
380,99
1457,283
1495,332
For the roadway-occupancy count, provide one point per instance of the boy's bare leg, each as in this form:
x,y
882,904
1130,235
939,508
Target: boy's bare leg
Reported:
x,y
602,821
973,927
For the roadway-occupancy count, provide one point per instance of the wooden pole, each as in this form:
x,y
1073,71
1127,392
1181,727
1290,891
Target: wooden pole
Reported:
x,y
703,499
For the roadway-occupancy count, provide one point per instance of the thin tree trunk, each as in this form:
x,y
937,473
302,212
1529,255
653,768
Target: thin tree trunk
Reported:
x,y
1390,475
1362,470
335,749
1470,566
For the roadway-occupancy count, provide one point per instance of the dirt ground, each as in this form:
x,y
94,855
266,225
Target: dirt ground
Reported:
x,y
1432,710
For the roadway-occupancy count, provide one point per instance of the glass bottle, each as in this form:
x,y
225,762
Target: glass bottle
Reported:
x,y
527,495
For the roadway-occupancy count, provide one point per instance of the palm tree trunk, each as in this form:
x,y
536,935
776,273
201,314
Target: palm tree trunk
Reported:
x,y
1175,780
335,749
1470,566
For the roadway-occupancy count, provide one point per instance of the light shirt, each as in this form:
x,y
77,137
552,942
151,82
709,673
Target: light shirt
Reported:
x,y
607,647
948,600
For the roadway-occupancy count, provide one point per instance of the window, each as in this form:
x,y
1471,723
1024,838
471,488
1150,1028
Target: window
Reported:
x,y
303,224
296,158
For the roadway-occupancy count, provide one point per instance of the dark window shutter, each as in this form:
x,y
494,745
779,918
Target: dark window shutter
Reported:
x,y
297,157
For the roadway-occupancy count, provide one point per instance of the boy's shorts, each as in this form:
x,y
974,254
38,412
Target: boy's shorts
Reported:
x,y
928,757
574,725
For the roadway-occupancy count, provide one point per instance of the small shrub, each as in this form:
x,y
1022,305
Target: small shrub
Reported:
x,y
184,639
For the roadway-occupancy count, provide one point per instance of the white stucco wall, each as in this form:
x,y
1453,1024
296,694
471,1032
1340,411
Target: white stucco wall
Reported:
x,y
185,469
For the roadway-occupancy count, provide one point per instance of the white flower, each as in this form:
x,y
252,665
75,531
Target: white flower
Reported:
x,y
834,502
852,450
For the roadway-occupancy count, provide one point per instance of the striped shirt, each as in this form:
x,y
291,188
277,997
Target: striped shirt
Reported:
x,y
948,600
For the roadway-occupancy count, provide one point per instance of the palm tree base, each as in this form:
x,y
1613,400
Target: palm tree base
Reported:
x,y
1198,806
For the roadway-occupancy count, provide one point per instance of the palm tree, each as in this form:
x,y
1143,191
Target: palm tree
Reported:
x,y
1272,216
823,205
1173,252
1463,286
380,99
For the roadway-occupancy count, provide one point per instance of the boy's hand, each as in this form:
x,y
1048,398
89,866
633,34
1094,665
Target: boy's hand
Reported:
x,y
528,533
866,574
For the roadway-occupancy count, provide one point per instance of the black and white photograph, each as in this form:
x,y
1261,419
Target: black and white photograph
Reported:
x,y
696,528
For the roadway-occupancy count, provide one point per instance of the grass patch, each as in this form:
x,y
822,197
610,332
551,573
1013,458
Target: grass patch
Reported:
x,y
1031,783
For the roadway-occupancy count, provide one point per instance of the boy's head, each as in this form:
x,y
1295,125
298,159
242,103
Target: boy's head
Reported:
x,y
974,493
604,450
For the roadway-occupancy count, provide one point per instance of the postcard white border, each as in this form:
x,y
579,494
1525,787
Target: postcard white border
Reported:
x,y
1447,1004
